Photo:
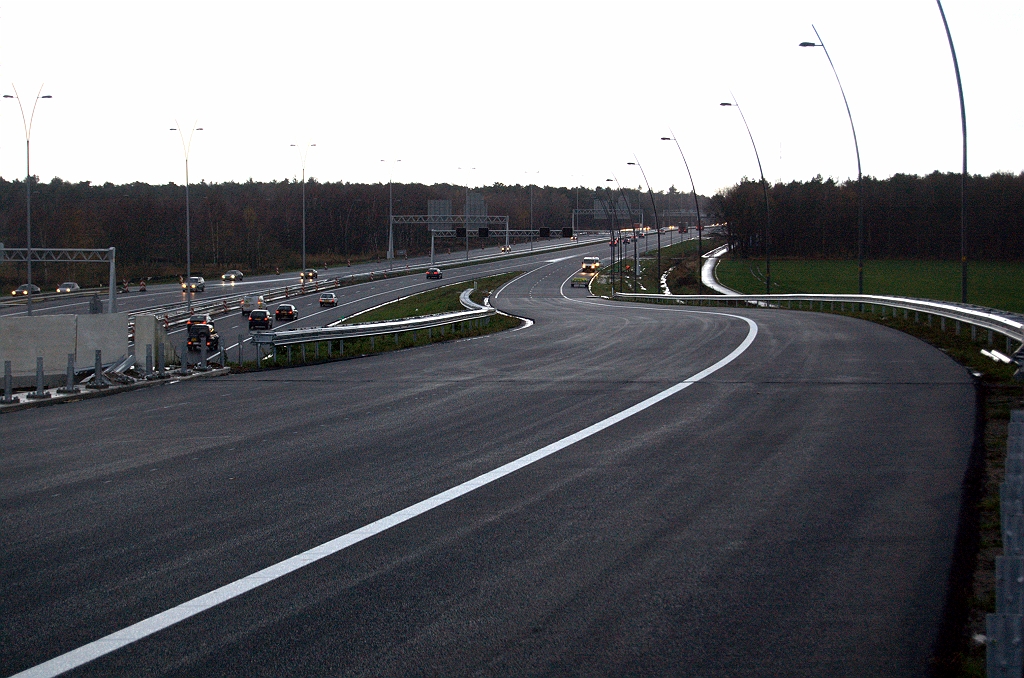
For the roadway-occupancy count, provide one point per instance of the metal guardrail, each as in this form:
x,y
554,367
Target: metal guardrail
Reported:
x,y
1007,324
359,330
1003,629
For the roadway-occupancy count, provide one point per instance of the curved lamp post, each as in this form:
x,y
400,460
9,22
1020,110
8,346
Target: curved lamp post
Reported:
x,y
963,173
28,184
657,224
302,157
767,209
186,147
696,204
856,147
629,216
391,211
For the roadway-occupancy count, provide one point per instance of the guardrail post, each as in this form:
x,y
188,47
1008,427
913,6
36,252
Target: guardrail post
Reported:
x,y
9,396
303,347
275,354
371,343
958,328
40,391
929,319
341,348
149,359
942,323
202,355
917,317
240,340
69,386
97,375
991,339
184,356
974,332
223,356
160,359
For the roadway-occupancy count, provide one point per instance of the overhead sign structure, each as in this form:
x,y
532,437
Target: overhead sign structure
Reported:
x,y
68,255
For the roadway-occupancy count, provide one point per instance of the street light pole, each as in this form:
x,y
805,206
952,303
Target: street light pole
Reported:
x,y
860,180
391,211
696,204
963,173
657,224
302,156
28,185
767,209
188,224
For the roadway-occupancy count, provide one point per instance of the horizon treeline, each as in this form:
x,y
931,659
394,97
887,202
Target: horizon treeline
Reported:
x,y
257,226
905,217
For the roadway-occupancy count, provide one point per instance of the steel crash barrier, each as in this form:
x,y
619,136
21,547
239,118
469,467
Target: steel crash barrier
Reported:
x,y
268,342
994,321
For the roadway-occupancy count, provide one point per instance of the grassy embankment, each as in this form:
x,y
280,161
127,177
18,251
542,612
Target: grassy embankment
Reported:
x,y
992,284
680,260
441,300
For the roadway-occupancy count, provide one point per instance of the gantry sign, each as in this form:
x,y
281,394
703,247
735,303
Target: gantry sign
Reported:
x,y
16,254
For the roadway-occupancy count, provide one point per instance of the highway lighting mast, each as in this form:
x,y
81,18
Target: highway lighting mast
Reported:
x,y
391,211
696,204
188,223
657,224
767,209
28,184
860,180
302,156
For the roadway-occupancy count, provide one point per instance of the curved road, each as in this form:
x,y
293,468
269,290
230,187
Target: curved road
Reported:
x,y
691,491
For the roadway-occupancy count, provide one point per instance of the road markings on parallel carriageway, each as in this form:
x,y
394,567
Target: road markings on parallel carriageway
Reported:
x,y
159,622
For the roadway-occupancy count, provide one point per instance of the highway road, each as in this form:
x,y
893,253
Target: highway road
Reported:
x,y
615,489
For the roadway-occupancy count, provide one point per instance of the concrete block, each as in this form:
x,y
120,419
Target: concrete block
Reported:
x,y
23,339
150,330
107,332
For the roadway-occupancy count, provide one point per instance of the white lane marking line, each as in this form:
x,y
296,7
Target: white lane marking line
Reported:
x,y
163,620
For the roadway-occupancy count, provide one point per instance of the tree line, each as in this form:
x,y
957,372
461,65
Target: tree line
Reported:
x,y
257,226
905,217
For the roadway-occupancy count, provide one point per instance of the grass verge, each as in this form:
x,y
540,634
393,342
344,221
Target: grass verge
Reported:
x,y
678,260
989,283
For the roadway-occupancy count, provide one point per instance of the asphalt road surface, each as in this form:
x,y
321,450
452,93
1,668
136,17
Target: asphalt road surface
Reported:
x,y
615,489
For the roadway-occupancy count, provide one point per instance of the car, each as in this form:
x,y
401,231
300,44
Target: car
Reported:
x,y
201,331
506,248
251,301
434,274
22,291
579,281
199,319
68,287
234,275
195,283
260,318
328,299
685,229
286,312
308,274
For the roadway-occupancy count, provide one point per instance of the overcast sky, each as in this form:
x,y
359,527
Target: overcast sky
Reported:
x,y
556,93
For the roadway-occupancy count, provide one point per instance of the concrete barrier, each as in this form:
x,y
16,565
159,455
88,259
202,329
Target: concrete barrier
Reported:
x,y
107,332
149,330
23,339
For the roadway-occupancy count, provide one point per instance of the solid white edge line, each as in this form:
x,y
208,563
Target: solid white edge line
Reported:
x,y
146,627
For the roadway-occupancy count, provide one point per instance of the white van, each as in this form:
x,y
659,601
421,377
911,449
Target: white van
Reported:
x,y
252,301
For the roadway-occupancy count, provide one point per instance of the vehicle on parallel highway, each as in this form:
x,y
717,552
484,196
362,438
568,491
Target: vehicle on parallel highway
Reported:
x,y
308,274
685,229
22,291
506,248
234,275
250,302
434,274
196,283
328,299
591,264
286,312
261,318
68,287
201,331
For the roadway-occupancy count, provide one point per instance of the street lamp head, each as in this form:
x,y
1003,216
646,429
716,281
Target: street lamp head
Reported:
x,y
8,96
725,103
46,96
666,138
199,129
630,163
809,44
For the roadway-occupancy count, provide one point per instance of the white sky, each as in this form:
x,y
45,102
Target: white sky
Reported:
x,y
560,93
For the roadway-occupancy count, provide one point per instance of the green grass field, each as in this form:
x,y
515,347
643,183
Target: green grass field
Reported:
x,y
992,284
441,300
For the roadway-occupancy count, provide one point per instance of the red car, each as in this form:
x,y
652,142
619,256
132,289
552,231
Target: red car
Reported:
x,y
286,312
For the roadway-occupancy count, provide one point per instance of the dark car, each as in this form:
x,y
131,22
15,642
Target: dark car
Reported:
x,y
434,274
328,299
234,275
286,312
23,291
199,334
260,319
308,274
